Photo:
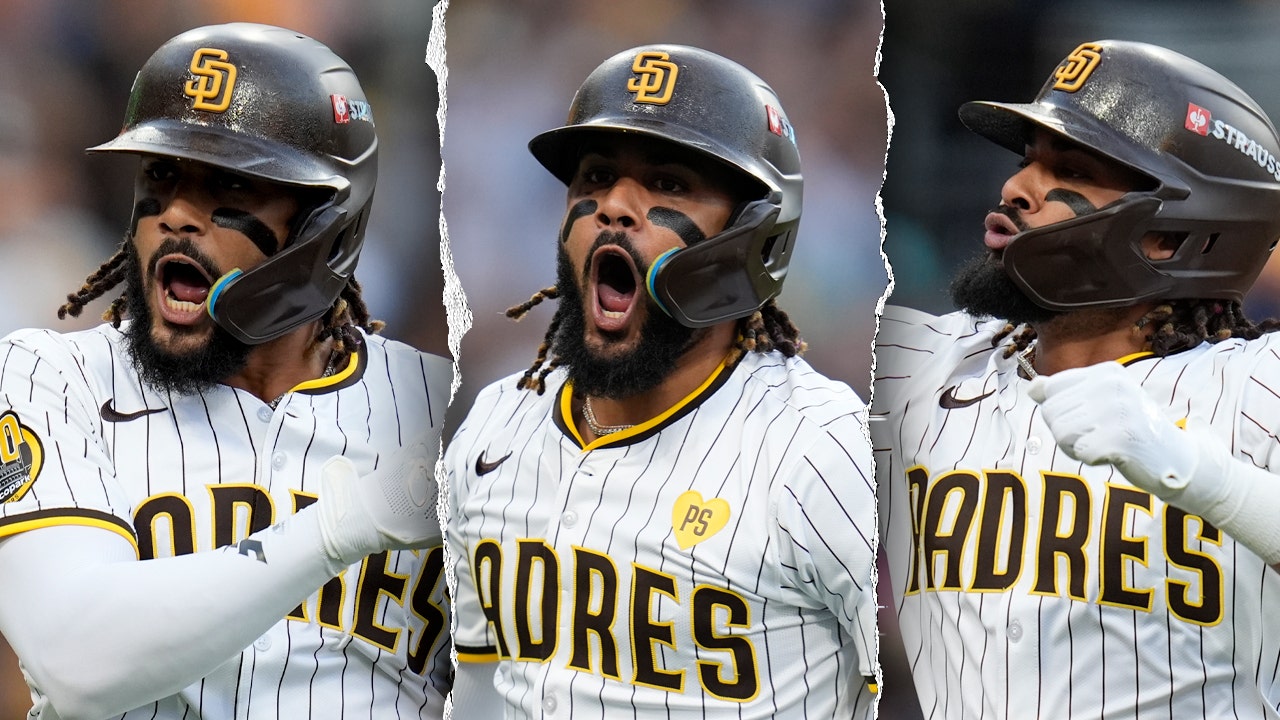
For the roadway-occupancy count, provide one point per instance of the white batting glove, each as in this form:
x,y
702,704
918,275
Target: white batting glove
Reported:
x,y
391,508
1099,415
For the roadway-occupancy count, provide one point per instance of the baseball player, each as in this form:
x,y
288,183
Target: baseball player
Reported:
x,y
669,513
1076,471
221,504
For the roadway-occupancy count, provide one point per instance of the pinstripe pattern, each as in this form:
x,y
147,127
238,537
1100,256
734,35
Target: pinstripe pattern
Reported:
x,y
782,446
207,470
1005,611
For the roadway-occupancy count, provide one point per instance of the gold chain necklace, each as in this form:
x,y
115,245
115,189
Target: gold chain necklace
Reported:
x,y
596,427
1025,359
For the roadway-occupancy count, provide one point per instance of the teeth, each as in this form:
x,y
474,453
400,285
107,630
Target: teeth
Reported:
x,y
614,315
182,305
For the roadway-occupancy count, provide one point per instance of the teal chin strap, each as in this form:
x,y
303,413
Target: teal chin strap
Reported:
x,y
652,275
216,291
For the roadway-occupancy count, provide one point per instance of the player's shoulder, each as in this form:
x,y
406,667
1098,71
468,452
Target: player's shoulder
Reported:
x,y
792,385
504,404
1258,359
404,358
507,390
911,344
102,345
903,328
817,424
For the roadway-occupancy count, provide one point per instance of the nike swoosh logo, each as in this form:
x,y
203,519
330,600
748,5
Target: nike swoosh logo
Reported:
x,y
111,415
949,401
484,468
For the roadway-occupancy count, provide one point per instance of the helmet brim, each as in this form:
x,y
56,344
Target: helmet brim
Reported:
x,y
560,149
260,158
1010,124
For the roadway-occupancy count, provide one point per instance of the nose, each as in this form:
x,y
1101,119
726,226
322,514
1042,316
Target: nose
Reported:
x,y
1022,189
186,210
622,204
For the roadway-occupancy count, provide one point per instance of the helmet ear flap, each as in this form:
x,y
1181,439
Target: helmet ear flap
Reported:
x,y
727,276
291,289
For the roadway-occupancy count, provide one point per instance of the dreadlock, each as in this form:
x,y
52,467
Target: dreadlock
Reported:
x,y
339,322
101,281
517,313
765,330
346,314
1171,327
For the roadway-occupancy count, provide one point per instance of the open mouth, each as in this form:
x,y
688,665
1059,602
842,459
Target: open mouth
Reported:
x,y
183,287
615,280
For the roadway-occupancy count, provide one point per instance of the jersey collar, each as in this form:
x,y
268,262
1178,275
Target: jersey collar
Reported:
x,y
563,414
348,375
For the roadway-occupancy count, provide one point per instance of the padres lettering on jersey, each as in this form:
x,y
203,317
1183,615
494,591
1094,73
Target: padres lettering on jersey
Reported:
x,y
716,559
600,599
976,532
188,474
1028,584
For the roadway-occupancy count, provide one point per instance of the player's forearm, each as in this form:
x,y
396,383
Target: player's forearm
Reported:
x,y
1237,497
101,636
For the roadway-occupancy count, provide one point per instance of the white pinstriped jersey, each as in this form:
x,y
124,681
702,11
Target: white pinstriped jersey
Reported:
x,y
715,560
1028,584
196,472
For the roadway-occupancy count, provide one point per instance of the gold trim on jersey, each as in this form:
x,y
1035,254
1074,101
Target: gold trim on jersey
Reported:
x,y
1135,357
353,371
477,655
564,415
68,516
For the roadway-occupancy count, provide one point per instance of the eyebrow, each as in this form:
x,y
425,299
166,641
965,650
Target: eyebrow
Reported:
x,y
647,156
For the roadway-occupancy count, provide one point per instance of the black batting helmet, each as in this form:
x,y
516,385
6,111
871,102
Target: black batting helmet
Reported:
x,y
270,103
709,105
1211,152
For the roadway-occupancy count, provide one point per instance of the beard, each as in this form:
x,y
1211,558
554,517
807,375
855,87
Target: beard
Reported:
x,y
184,373
982,287
616,375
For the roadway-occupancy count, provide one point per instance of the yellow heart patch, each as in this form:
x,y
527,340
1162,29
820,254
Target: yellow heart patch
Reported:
x,y
695,520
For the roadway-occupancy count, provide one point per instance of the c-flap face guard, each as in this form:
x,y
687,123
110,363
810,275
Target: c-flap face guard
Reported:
x,y
726,276
1092,261
290,289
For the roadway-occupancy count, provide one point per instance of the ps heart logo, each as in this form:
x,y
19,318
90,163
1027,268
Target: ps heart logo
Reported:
x,y
695,519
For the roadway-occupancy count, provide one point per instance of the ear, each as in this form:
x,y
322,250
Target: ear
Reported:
x,y
1160,246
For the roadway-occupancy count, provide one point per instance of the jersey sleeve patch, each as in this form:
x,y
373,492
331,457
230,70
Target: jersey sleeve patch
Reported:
x,y
21,458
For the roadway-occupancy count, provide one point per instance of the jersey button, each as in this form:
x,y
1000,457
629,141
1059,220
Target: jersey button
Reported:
x,y
1015,631
1033,445
263,643
278,460
549,704
569,518
264,414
